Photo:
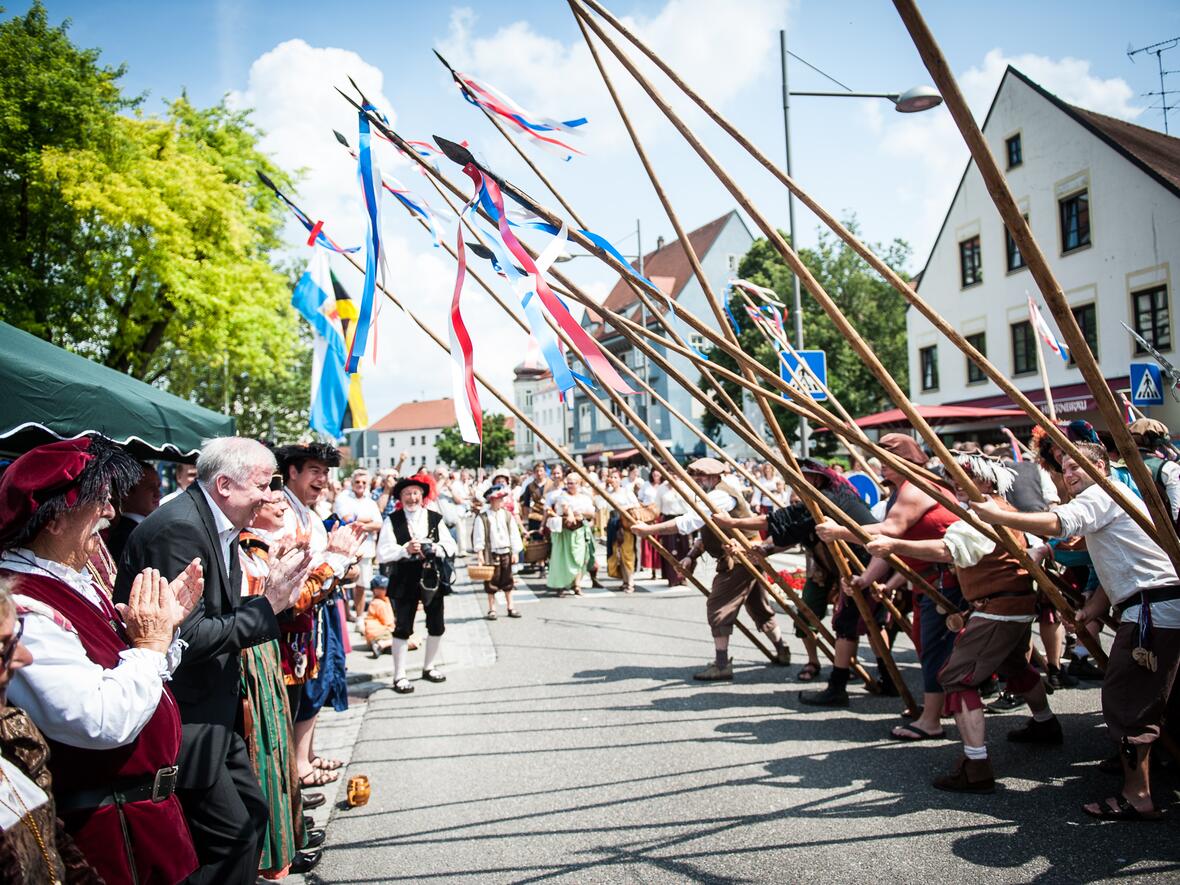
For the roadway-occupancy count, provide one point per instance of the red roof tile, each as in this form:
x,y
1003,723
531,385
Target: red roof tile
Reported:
x,y
668,266
1152,150
419,415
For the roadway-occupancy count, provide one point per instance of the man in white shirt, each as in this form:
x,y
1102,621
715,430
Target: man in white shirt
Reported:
x,y
496,541
461,494
185,475
412,543
355,505
1138,578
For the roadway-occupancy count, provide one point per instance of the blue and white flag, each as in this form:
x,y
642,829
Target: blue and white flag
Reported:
x,y
315,302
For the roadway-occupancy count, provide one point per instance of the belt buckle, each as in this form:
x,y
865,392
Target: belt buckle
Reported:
x,y
165,783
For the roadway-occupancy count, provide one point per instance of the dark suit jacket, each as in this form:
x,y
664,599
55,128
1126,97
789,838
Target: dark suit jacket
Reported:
x,y
117,539
206,684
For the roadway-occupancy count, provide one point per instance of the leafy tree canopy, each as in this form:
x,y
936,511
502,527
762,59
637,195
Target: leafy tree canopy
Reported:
x,y
498,444
144,243
871,304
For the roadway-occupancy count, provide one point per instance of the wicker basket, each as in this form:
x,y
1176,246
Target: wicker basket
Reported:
x,y
480,573
536,551
644,513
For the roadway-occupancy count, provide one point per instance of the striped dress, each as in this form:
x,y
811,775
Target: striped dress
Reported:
x,y
267,724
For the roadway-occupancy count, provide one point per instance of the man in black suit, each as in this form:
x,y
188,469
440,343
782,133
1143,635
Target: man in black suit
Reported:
x,y
216,783
136,505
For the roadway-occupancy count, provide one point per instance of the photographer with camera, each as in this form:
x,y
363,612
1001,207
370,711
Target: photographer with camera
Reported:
x,y
416,557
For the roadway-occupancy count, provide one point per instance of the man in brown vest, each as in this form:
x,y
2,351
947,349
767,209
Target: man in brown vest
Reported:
x,y
998,630
733,586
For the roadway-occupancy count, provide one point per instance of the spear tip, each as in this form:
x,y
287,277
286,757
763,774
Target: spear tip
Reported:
x,y
446,63
456,153
340,138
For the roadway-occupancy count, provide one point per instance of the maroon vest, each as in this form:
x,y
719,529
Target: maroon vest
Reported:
x,y
159,836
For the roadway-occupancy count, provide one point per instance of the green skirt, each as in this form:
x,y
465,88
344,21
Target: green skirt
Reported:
x,y
569,556
271,742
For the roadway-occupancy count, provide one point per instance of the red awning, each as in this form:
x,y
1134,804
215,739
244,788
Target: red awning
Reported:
x,y
936,416
613,457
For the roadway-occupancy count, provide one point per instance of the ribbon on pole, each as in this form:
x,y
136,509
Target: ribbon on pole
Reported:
x,y
1038,322
468,413
492,100
1017,455
369,176
315,229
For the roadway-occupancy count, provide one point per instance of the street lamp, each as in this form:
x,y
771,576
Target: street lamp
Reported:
x,y
912,101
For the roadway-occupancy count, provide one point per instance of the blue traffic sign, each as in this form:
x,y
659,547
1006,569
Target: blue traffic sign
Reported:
x,y
1147,385
865,487
817,361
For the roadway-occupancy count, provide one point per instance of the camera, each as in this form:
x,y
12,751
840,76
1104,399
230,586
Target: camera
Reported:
x,y
427,549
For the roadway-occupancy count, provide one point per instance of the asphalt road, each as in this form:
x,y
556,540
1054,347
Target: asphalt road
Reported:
x,y
585,753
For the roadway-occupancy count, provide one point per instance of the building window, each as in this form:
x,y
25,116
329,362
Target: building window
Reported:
x,y
1024,344
970,263
1015,259
731,262
1152,319
1075,221
928,357
979,342
584,427
697,341
1015,152
1086,316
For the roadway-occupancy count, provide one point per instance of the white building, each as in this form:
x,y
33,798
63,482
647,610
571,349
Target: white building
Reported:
x,y
537,397
1102,197
413,428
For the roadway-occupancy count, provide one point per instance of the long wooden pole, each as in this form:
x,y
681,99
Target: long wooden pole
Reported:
x,y
996,375
840,554
956,472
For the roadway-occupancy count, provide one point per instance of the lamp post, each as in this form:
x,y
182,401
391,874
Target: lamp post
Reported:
x,y
914,100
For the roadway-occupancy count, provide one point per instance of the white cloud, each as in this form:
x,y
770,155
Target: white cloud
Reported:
x,y
930,153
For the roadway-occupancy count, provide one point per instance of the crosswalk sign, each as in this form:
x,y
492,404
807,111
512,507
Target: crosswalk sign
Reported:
x,y
1147,385
817,361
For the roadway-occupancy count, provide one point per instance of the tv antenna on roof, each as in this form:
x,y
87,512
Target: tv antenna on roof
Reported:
x,y
1158,50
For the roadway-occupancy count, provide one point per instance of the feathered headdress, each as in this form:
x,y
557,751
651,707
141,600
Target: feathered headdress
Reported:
x,y
985,469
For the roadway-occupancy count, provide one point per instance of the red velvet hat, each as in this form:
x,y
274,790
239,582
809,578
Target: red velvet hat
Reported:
x,y
57,476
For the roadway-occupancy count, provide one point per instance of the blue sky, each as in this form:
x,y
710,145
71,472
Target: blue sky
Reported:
x,y
896,173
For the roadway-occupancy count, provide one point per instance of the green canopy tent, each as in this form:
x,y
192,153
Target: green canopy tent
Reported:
x,y
47,393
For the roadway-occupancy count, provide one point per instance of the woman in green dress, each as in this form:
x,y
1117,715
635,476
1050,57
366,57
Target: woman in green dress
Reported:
x,y
572,537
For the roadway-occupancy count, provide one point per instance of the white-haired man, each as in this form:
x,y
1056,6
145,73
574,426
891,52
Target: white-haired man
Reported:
x,y
216,783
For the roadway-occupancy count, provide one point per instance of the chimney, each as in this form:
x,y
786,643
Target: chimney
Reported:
x,y
659,243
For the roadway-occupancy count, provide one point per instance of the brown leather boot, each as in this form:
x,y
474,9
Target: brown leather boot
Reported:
x,y
969,776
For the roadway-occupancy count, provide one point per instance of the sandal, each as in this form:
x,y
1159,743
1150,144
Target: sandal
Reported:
x,y
317,777
809,673
324,764
513,613
433,675
1118,808
491,615
911,732
403,686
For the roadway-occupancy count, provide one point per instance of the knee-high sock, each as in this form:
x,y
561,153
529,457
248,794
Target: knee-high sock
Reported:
x,y
432,644
400,647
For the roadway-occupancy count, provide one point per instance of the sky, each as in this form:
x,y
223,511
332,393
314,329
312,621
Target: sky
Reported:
x,y
895,173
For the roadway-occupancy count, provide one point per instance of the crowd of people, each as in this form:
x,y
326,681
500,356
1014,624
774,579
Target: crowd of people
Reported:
x,y
164,660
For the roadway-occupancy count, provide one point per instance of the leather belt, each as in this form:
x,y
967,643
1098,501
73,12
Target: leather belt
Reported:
x,y
1155,594
157,788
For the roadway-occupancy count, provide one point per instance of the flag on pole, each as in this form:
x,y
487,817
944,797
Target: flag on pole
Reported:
x,y
346,312
315,302
1017,456
1038,322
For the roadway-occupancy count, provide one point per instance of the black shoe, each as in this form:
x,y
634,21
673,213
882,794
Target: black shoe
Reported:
x,y
1033,732
315,838
1005,703
1060,679
829,697
887,689
1084,668
308,823
305,861
313,800
433,675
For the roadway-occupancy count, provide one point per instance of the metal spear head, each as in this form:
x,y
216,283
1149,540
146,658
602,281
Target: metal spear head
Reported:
x,y
340,138
456,153
1170,371
446,63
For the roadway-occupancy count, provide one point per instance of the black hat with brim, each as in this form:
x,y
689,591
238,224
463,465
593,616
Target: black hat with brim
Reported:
x,y
402,484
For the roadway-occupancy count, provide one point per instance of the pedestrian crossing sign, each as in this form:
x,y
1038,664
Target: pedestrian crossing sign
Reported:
x,y
1147,386
817,361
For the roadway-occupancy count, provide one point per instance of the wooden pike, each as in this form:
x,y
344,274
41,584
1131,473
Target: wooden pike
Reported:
x,y
833,311
1162,530
996,375
840,553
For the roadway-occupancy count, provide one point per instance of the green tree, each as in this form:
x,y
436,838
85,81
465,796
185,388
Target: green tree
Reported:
x,y
875,309
149,243
498,444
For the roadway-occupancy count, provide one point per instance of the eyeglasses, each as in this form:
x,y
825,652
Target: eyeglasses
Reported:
x,y
276,482
13,641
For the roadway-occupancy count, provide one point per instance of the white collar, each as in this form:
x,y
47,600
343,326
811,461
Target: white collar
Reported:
x,y
221,522
21,559
302,514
